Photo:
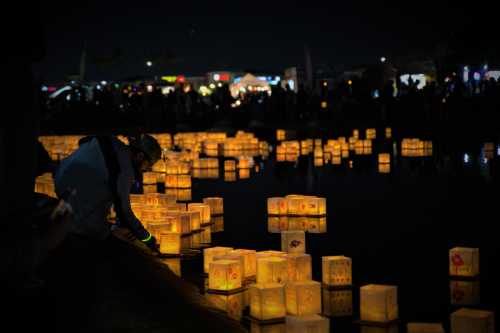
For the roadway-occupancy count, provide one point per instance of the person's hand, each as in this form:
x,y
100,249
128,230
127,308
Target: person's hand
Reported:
x,y
152,244
123,234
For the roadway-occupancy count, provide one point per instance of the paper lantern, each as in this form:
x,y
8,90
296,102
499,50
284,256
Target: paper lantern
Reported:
x,y
464,262
158,199
172,181
337,303
310,323
424,328
384,158
224,275
255,327
378,303
195,218
315,206
206,235
210,253
230,165
303,298
316,225
355,134
464,292
149,189
157,228
277,206
232,305
170,242
203,209
174,264
184,181
280,135
216,205
249,261
388,133
296,204
186,242
296,223
337,271
195,240
149,178
229,177
272,269
384,168
299,267
273,224
293,241
218,225
267,301
471,320
244,173
371,133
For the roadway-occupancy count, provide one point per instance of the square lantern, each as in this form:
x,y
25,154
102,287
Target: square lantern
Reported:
x,y
315,206
388,133
230,176
230,165
233,305
296,204
337,303
218,225
170,242
337,271
378,303
186,242
384,168
273,224
310,323
211,252
184,194
303,298
316,225
224,275
464,262
172,181
183,181
464,292
318,162
299,267
206,235
271,253
293,241
235,257
277,206
371,133
244,173
471,320
249,262
195,240
149,178
384,158
195,218
296,223
267,301
424,328
272,269
174,264
203,209
216,205
149,189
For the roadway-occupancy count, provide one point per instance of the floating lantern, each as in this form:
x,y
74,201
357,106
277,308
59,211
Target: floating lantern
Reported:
x,y
464,262
337,271
216,205
195,240
271,253
299,267
464,292
249,261
384,158
303,298
218,224
272,269
229,177
379,303
233,305
236,257
337,303
424,328
204,209
267,301
149,178
171,181
316,225
244,173
184,181
388,133
293,241
296,205
371,133
206,235
210,253
309,323
277,206
170,242
471,320
280,135
230,165
186,242
149,189
224,275
315,206
195,217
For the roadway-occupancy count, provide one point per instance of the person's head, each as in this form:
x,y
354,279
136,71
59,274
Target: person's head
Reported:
x,y
146,151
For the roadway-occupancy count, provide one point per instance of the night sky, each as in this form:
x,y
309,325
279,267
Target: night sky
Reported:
x,y
193,37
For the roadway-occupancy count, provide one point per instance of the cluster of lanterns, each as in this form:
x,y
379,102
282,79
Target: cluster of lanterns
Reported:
x,y
416,148
60,147
296,205
44,184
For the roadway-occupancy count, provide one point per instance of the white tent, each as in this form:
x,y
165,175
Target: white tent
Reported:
x,y
248,81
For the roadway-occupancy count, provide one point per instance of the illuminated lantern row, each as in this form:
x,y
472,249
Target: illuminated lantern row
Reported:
x,y
180,194
337,271
216,205
177,168
337,303
149,178
150,189
424,328
205,173
293,242
45,185
280,135
464,262
204,210
225,275
303,298
210,253
388,133
218,224
178,181
267,301
206,163
464,292
270,253
249,261
416,148
298,205
378,303
164,140
60,147
309,323
277,224
470,320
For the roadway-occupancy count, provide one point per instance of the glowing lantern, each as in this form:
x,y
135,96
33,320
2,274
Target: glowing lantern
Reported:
x,y
229,165
230,177
267,301
149,178
224,275
195,240
216,205
424,328
149,189
384,158
184,181
318,142
316,225
470,320
371,133
244,173
210,253
158,199
464,261
277,206
195,217
272,269
206,235
203,209
464,292
299,267
184,194
244,163
378,303
309,323
315,206
337,271
384,168
337,303
249,261
296,224
233,305
296,204
303,298
158,228
171,181
170,242
218,224
388,132
293,242
270,253
318,153
355,134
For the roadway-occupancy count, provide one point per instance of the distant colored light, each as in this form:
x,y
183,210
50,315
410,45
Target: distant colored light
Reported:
x,y
466,68
149,63
104,83
98,86
238,102
466,158
212,86
324,105
216,77
169,78
150,88
477,76
44,88
219,85
383,59
181,79
325,84
485,67
349,82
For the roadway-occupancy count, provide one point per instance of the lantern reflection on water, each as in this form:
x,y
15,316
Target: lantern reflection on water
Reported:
x,y
244,173
267,301
277,206
293,241
195,240
299,267
309,323
424,328
206,235
272,269
388,133
316,225
303,298
470,320
371,133
229,177
224,275
210,253
378,303
464,292
464,261
216,205
391,328
337,303
270,253
295,223
230,165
